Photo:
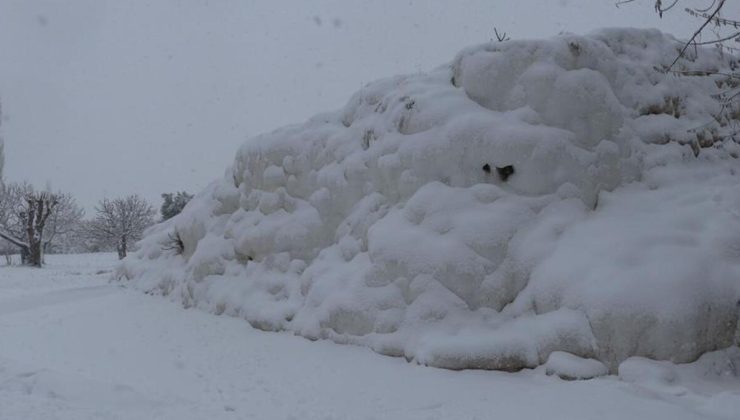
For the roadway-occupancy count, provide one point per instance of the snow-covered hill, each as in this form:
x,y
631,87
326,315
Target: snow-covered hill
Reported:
x,y
530,197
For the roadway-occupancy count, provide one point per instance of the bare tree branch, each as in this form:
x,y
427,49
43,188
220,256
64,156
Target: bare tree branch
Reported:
x,y
698,31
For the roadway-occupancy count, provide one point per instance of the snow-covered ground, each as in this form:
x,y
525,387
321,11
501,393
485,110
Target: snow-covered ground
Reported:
x,y
74,346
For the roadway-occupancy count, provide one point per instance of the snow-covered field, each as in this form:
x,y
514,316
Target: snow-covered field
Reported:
x,y
74,346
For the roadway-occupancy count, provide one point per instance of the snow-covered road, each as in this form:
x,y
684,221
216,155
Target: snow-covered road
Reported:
x,y
73,346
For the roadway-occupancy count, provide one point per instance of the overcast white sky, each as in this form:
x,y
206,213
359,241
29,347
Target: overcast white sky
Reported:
x,y
106,98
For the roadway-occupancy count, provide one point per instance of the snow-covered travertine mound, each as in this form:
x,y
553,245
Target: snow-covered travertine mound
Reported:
x,y
530,197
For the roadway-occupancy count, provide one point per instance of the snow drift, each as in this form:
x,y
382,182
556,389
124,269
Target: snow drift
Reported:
x,y
530,197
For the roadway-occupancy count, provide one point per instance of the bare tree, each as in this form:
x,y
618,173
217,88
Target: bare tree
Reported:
x,y
85,239
53,218
24,214
63,223
122,220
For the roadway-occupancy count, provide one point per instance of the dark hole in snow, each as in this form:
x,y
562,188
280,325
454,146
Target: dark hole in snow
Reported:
x,y
505,172
487,168
575,48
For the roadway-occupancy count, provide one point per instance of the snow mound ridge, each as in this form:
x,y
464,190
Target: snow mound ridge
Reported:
x,y
529,197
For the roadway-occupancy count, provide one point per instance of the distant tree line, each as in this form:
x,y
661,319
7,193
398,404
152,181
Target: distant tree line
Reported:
x,y
34,222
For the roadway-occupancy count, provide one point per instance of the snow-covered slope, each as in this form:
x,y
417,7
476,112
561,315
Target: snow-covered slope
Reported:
x,y
529,197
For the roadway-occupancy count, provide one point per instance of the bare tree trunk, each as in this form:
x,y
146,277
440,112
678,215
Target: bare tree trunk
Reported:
x,y
44,250
24,255
40,207
35,253
122,247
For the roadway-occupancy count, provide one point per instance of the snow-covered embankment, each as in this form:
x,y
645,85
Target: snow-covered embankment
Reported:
x,y
529,197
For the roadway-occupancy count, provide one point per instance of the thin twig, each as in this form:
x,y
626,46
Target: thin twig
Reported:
x,y
698,31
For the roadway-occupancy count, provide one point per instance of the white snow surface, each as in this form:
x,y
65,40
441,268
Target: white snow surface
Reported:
x,y
571,367
75,346
616,235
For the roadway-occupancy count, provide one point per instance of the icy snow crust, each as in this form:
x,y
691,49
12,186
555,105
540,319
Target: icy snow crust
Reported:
x,y
617,235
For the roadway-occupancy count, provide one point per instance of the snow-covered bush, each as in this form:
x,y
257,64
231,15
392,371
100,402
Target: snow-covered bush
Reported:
x,y
529,197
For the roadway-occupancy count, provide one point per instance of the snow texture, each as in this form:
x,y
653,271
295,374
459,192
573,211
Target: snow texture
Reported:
x,y
570,367
76,346
529,197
